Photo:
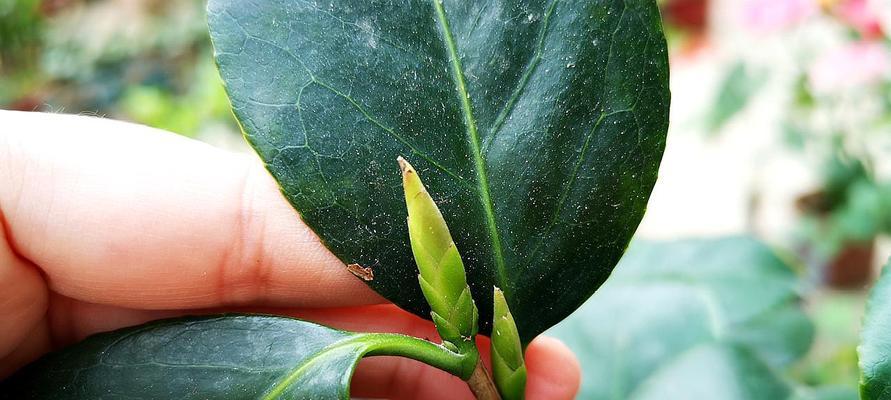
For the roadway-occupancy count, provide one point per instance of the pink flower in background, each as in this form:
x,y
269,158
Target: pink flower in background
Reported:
x,y
861,16
772,15
854,65
882,9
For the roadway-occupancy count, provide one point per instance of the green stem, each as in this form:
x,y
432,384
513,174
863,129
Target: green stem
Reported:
x,y
460,364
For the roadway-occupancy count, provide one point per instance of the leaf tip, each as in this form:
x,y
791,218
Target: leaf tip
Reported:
x,y
404,166
411,183
508,364
501,309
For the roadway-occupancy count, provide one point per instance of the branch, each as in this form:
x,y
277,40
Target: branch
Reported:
x,y
481,384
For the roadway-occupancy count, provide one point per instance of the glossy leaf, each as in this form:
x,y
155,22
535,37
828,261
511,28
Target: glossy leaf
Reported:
x,y
691,319
538,126
219,357
875,342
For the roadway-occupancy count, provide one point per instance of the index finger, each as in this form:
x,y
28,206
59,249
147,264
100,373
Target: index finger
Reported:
x,y
116,213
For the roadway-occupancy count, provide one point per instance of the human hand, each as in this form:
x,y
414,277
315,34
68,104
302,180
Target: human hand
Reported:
x,y
107,224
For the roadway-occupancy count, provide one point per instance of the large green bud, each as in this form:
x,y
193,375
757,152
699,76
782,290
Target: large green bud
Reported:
x,y
442,275
508,367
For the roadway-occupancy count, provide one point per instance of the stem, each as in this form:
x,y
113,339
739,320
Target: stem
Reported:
x,y
481,384
388,344
465,363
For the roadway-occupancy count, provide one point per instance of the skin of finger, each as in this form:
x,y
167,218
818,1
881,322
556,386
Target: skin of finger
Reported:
x,y
554,371
153,223
401,378
29,349
23,297
125,215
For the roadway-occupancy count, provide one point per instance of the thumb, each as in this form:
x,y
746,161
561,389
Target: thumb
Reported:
x,y
553,374
553,371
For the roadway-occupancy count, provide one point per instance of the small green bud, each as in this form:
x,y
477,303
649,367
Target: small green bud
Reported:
x,y
508,367
442,277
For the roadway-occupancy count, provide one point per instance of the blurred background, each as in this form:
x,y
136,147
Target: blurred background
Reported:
x,y
147,61
781,123
781,127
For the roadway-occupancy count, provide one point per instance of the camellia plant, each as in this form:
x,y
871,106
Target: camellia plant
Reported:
x,y
538,127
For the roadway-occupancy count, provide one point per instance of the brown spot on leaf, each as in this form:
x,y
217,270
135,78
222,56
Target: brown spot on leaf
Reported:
x,y
365,273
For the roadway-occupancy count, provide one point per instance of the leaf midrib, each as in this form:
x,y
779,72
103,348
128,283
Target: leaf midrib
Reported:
x,y
474,142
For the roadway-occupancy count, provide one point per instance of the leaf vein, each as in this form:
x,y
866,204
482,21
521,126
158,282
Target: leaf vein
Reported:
x,y
359,108
532,65
572,179
474,143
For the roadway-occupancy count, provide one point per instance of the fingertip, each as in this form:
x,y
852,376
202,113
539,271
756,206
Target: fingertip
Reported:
x,y
553,370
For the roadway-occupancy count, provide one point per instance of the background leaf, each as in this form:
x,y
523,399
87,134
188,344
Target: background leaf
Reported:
x,y
691,319
220,357
828,392
713,371
875,345
538,126
734,94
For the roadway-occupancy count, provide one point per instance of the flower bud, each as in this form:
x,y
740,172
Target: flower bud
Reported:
x,y
508,367
442,277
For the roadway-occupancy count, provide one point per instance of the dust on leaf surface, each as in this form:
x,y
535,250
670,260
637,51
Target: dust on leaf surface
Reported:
x,y
538,127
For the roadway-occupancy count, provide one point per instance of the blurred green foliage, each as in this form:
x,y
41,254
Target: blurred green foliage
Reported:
x,y
20,34
833,359
20,27
734,93
204,99
146,61
852,206
837,123
668,301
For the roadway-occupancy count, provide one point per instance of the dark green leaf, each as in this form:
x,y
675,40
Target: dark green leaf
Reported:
x,y
875,343
694,319
219,357
537,125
